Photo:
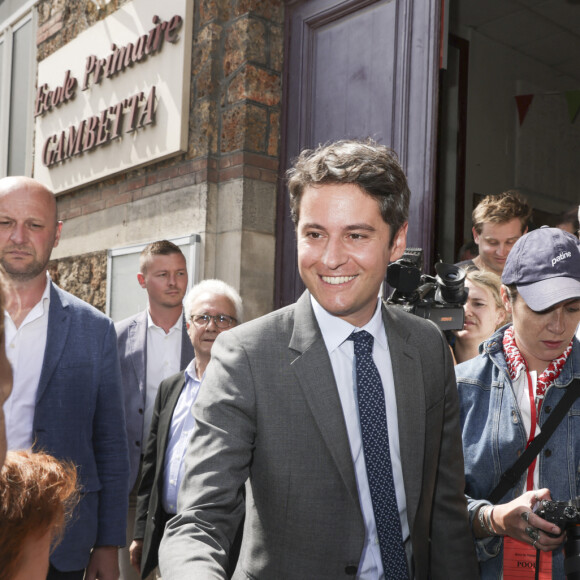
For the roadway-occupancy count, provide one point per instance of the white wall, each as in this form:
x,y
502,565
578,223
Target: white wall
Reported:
x,y
540,158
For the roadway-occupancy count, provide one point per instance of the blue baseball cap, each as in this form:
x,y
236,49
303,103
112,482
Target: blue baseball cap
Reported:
x,y
544,264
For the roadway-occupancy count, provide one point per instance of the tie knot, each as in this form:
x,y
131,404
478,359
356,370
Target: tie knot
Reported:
x,y
363,341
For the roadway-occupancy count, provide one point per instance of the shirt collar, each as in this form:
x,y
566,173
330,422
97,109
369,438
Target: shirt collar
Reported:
x,y
190,374
336,330
176,326
46,294
41,308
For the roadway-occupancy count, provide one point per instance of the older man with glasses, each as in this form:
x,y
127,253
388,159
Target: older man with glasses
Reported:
x,y
211,307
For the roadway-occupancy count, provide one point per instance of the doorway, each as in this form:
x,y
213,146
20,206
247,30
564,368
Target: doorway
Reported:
x,y
509,99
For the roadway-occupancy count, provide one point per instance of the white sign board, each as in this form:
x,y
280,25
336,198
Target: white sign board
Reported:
x,y
115,97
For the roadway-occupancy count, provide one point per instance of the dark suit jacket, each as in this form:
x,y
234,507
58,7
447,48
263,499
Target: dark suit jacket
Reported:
x,y
132,347
150,517
270,412
79,416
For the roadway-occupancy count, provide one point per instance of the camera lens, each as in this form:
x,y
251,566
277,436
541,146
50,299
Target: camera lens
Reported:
x,y
451,281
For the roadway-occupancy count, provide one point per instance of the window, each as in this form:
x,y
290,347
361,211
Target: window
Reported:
x,y
124,295
17,74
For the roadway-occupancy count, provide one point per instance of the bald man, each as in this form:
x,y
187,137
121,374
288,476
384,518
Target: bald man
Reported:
x,y
67,397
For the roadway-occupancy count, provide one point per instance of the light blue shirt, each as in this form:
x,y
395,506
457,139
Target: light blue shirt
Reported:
x,y
335,332
182,424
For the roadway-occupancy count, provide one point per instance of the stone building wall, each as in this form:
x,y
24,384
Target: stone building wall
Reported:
x,y
224,186
84,276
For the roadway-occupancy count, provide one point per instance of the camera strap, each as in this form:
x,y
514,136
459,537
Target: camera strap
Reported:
x,y
512,475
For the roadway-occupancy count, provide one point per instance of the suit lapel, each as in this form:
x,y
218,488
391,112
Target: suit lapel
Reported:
x,y
166,413
410,393
314,372
187,353
138,346
56,337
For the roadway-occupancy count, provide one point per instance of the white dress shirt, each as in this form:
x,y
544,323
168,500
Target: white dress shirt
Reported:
x,y
25,347
182,424
163,360
335,332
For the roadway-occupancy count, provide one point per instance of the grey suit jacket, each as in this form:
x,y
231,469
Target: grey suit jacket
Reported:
x,y
269,412
132,347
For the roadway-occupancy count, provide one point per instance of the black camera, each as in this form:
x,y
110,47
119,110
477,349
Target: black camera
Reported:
x,y
561,513
439,298
566,515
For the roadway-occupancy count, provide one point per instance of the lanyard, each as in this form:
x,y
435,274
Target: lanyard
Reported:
x,y
520,560
533,421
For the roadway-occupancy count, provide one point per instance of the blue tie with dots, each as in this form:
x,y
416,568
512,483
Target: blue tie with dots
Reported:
x,y
375,439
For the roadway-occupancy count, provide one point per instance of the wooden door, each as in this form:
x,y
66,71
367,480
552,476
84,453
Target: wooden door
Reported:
x,y
360,68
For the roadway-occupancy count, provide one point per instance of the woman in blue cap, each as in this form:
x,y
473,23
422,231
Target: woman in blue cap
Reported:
x,y
508,392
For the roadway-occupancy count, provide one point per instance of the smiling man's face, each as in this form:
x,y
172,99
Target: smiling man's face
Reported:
x,y
344,249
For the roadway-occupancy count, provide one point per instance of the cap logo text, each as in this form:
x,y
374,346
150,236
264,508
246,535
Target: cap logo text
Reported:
x,y
561,256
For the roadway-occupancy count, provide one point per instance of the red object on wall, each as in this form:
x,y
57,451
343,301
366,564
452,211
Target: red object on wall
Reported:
x,y
523,103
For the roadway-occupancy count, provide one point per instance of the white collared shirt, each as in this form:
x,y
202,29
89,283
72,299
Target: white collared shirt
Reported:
x,y
25,348
163,360
335,332
182,424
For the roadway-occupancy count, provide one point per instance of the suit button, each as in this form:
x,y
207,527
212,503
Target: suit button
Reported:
x,y
548,452
351,570
140,411
548,409
138,443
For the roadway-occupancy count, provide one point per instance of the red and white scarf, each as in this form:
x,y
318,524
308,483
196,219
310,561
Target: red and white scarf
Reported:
x,y
516,363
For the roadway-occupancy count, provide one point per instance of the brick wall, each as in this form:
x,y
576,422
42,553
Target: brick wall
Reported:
x,y
234,104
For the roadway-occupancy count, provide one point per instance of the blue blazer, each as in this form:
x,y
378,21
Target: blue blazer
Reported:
x,y
79,416
132,347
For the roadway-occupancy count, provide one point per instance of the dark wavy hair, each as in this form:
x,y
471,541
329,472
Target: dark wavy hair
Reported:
x,y
374,168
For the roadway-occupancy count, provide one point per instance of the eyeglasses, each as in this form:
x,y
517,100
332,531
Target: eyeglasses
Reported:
x,y
221,320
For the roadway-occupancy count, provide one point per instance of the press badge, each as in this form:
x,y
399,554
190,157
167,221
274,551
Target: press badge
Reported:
x,y
519,561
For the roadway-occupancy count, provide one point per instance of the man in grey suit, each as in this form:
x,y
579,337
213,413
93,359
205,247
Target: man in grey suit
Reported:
x,y
284,407
152,345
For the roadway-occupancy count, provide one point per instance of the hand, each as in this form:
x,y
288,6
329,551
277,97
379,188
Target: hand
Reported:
x,y
103,564
508,519
135,552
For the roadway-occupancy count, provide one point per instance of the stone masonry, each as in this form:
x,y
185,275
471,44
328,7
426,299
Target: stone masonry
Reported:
x,y
223,188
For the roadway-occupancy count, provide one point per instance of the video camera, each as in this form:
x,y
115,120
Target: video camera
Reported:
x,y
439,298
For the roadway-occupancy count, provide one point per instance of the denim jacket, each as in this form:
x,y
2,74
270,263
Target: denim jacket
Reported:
x,y
494,436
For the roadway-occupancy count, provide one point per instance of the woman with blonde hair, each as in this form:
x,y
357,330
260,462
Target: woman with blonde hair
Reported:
x,y
484,313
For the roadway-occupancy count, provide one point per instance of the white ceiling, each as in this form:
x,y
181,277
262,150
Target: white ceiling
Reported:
x,y
546,30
